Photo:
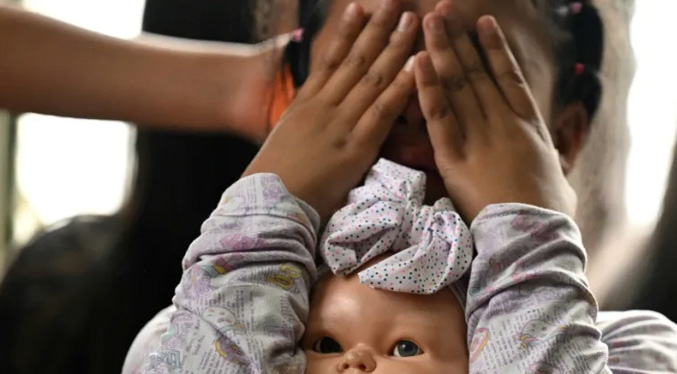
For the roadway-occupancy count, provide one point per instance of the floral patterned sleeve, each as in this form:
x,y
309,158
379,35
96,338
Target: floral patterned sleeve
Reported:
x,y
530,310
242,302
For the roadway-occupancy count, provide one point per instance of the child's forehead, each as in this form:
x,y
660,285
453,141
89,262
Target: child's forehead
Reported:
x,y
519,19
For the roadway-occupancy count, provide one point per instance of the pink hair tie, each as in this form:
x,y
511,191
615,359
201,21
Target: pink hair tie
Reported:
x,y
576,7
297,35
579,69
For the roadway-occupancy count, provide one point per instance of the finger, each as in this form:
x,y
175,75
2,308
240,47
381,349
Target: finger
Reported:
x,y
374,126
351,24
384,70
366,49
505,69
450,72
445,134
485,90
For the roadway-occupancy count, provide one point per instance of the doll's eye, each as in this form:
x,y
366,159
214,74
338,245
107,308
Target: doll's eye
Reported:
x,y
327,345
406,348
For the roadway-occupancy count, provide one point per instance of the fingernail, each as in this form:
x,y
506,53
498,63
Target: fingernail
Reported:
x,y
487,23
435,24
444,11
409,66
405,21
351,12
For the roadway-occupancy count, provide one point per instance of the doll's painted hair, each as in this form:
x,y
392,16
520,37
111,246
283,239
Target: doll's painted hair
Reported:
x,y
575,33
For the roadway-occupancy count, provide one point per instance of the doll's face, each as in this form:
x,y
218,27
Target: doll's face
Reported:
x,y
408,143
356,329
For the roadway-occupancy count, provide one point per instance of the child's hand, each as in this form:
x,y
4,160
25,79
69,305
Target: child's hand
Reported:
x,y
491,144
332,132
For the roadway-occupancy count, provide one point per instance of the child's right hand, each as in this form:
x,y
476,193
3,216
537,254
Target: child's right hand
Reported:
x,y
490,141
332,132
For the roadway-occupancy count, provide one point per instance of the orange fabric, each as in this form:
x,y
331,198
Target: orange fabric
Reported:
x,y
283,95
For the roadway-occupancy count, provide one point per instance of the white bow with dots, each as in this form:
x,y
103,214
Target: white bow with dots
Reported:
x,y
431,244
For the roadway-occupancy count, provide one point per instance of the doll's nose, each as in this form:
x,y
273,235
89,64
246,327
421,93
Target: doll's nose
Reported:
x,y
360,359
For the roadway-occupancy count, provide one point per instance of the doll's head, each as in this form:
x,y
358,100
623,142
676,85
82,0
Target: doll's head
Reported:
x,y
354,328
395,306
558,44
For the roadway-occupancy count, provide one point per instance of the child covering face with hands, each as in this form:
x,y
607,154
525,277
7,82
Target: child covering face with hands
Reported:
x,y
243,303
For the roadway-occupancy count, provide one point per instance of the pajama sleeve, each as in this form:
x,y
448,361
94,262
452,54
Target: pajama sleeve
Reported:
x,y
639,342
529,307
242,302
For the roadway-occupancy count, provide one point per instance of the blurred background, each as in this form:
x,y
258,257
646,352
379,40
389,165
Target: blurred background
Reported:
x,y
58,168
64,167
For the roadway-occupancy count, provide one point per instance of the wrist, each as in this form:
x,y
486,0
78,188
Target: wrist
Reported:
x,y
246,84
230,73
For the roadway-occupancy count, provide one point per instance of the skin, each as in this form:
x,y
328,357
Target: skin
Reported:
x,y
342,112
54,68
408,142
358,90
368,324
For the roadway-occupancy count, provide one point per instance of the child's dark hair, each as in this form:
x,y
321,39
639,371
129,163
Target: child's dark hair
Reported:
x,y
577,37
575,32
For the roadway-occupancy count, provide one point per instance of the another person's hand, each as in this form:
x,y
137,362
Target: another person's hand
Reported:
x,y
332,132
255,85
491,143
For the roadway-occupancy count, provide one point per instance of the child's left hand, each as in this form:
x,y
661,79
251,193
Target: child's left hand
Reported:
x,y
490,141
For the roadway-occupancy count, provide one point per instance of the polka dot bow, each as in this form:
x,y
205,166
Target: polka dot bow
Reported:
x,y
431,244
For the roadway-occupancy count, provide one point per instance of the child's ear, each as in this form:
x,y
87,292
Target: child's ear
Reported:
x,y
569,132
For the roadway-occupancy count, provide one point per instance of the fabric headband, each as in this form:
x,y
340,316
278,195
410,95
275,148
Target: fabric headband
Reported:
x,y
431,246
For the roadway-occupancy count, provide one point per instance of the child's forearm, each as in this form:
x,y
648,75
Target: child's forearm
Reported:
x,y
639,341
54,68
243,298
529,308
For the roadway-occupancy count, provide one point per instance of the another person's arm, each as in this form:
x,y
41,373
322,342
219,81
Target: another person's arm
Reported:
x,y
53,68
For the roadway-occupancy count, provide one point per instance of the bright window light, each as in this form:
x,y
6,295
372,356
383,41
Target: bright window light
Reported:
x,y
652,109
65,166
